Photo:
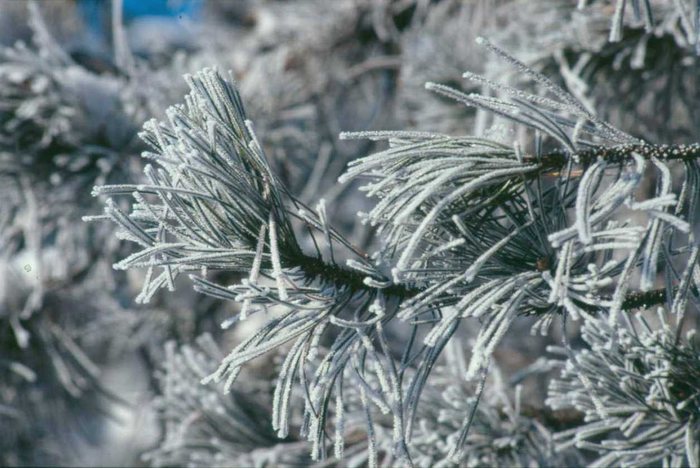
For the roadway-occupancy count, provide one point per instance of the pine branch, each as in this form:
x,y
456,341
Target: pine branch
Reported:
x,y
214,204
333,273
471,229
618,154
638,389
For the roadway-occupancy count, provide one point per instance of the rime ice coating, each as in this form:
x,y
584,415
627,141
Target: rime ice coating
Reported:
x,y
470,226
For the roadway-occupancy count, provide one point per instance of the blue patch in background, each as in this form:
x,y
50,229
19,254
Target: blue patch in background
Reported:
x,y
172,8
95,12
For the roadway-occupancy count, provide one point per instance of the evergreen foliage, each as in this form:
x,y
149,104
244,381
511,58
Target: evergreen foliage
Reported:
x,y
532,231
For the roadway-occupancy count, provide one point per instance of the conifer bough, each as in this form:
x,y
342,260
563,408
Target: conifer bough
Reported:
x,y
471,227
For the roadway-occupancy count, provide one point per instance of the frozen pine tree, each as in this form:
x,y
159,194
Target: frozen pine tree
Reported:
x,y
510,280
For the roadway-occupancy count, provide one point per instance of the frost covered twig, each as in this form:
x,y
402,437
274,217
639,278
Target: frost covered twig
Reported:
x,y
641,402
